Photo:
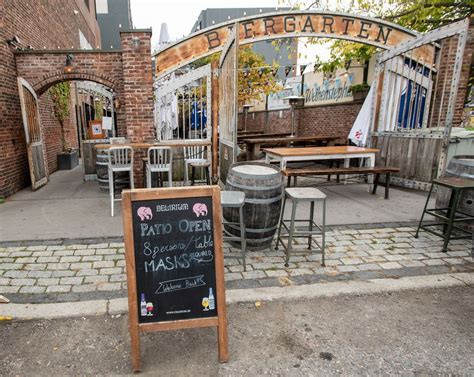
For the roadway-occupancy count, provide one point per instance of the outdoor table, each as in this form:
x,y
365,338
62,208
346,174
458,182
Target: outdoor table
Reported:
x,y
253,145
284,155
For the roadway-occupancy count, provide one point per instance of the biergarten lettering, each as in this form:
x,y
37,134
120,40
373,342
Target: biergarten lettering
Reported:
x,y
307,24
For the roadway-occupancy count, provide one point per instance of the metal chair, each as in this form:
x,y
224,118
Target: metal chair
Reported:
x,y
120,159
160,160
235,199
194,154
297,195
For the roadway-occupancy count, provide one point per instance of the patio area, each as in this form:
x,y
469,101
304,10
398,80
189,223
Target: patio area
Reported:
x,y
69,208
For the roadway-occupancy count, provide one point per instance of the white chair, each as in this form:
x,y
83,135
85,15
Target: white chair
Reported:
x,y
194,154
160,160
120,160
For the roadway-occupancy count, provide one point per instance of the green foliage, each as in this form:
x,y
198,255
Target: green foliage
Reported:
x,y
61,95
98,109
359,88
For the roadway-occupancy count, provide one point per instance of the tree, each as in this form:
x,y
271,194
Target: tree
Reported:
x,y
418,15
61,94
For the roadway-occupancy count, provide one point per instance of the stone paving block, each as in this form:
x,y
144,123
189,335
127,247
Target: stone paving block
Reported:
x,y
36,248
346,268
402,245
105,251
92,258
76,247
334,262
103,264
335,255
4,281
84,252
114,257
368,267
458,253
124,285
390,265
412,263
16,248
32,290
43,253
314,257
367,231
415,256
275,273
81,265
29,282
300,271
96,279
374,259
9,289
84,288
351,261
121,250
240,268
310,265
48,281
98,246
261,266
340,249
110,287
116,245
63,253
66,259
54,247
87,272
435,255
434,262
357,253
359,242
110,271
7,260
62,273
120,263
77,280
253,274
118,277
343,237
394,258
58,289
48,259
15,274
39,274
406,229
454,260
58,266
11,266
23,254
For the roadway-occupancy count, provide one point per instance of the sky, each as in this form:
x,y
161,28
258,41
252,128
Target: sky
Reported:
x,y
180,15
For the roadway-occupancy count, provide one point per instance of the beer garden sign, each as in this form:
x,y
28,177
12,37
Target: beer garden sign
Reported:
x,y
288,24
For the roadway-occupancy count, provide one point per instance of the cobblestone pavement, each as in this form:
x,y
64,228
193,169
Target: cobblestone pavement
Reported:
x,y
68,272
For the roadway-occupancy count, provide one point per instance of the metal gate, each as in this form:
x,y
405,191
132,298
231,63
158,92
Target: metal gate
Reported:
x,y
228,104
33,136
414,103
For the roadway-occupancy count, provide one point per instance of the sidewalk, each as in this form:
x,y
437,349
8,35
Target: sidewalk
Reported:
x,y
59,271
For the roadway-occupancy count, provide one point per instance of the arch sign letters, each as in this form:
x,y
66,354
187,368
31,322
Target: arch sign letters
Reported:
x,y
291,24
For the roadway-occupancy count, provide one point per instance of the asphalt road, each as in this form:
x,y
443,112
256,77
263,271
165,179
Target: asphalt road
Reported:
x,y
421,333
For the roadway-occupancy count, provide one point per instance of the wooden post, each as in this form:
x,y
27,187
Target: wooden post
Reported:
x,y
215,119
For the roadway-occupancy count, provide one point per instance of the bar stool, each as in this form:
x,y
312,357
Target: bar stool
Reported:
x,y
451,215
235,199
302,195
120,159
203,165
160,160
192,154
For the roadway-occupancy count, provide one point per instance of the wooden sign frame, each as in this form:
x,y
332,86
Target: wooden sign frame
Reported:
x,y
219,321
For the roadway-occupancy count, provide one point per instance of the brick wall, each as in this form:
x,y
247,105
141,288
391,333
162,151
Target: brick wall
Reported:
x,y
324,120
39,24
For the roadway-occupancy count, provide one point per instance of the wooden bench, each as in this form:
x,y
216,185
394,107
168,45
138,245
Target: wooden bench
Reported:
x,y
309,171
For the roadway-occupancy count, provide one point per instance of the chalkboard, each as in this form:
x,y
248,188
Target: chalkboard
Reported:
x,y
174,259
175,262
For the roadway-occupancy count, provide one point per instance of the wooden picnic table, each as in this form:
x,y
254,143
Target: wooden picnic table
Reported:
x,y
253,145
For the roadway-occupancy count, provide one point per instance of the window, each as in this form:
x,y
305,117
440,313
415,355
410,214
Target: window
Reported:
x,y
85,45
102,6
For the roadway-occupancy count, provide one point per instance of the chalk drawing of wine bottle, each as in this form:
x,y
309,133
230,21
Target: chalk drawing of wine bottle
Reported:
x,y
143,311
212,301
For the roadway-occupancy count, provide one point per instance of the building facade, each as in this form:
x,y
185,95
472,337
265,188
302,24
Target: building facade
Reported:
x,y
36,25
113,16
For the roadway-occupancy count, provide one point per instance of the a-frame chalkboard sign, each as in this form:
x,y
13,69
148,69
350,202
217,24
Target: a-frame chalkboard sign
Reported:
x,y
175,263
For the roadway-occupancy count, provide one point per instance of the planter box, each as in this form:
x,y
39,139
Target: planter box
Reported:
x,y
68,161
360,96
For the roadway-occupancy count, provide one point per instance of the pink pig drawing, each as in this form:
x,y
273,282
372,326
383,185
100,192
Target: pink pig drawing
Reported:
x,y
144,213
200,209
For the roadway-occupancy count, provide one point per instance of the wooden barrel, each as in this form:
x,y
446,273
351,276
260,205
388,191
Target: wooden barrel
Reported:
x,y
122,179
263,188
461,166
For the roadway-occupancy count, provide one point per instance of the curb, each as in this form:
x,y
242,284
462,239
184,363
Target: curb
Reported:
x,y
21,312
